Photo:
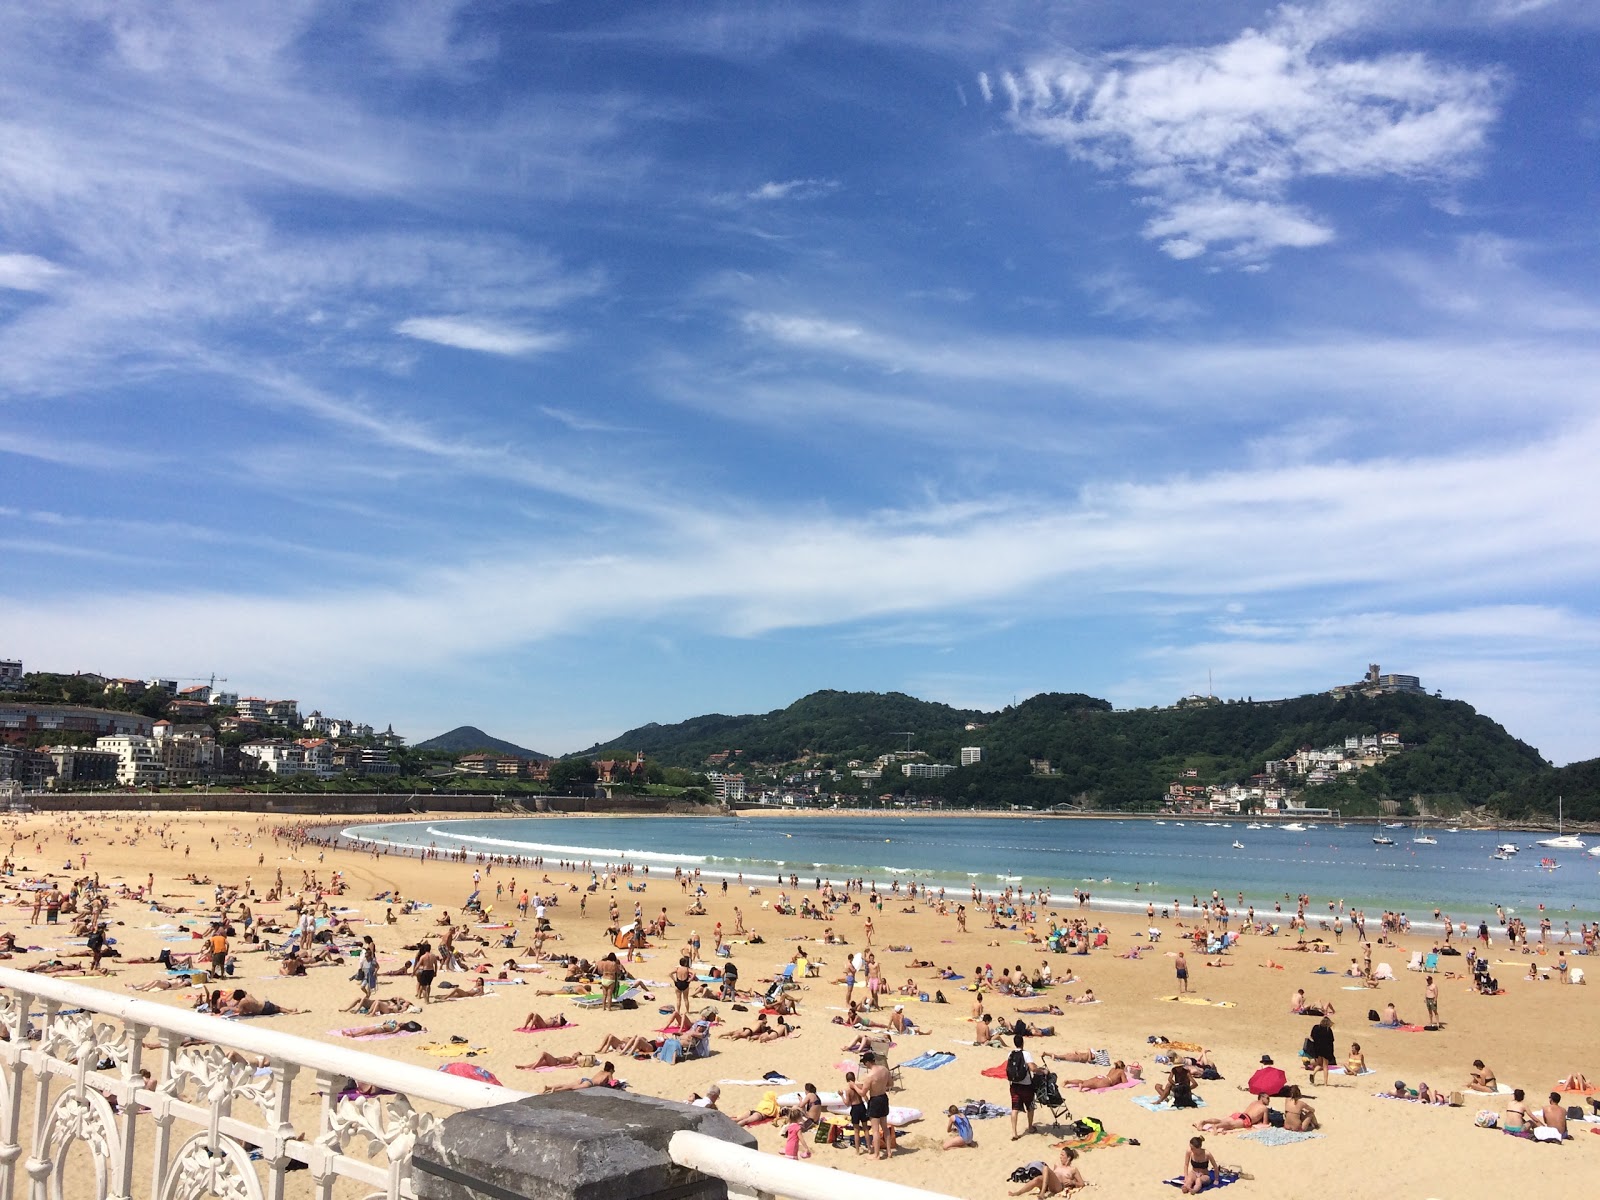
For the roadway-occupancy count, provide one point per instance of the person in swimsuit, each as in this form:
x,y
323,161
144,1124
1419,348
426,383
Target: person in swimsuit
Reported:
x,y
1255,1113
606,1076
1183,972
1483,1079
1515,1117
1198,1165
425,969
960,1130
856,1097
1298,1116
682,977
1118,1074
1054,1180
1356,1063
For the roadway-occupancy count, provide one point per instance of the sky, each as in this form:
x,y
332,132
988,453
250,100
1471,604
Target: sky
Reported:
x,y
560,367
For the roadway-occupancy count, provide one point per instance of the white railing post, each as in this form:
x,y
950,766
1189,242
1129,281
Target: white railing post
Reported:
x,y
38,1164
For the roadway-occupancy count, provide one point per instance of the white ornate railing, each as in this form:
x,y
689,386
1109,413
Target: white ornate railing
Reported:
x,y
72,1065
211,1122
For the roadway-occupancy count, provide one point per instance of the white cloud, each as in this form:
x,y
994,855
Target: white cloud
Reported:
x,y
793,189
27,273
1217,135
467,333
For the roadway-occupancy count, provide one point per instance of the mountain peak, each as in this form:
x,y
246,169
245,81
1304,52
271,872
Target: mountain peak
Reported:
x,y
466,738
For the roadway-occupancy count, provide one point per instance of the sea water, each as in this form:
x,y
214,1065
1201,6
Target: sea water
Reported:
x,y
1121,863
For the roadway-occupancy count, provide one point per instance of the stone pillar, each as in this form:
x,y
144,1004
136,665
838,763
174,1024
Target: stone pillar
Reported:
x,y
597,1144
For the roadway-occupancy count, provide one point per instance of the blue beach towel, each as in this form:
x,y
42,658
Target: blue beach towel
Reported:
x,y
930,1061
1218,1181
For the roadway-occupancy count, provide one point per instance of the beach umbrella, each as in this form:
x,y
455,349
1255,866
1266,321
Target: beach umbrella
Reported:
x,y
471,1071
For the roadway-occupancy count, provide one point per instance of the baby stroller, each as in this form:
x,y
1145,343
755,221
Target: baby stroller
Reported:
x,y
1047,1094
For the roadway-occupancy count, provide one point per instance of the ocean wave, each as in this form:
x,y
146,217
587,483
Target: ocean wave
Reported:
x,y
525,849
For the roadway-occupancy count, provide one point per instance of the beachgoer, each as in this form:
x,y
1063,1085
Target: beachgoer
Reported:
x,y
1054,1180
959,1128
1482,1079
1199,1167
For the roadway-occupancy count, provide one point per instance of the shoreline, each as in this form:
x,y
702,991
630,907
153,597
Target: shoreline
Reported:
x,y
1534,1033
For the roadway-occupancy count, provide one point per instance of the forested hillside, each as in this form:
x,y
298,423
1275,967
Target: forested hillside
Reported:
x,y
1126,759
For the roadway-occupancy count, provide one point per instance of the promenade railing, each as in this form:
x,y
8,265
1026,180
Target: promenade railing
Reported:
x,y
222,1110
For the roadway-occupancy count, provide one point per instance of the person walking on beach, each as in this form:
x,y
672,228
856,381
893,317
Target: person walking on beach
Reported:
x,y
1430,994
1182,966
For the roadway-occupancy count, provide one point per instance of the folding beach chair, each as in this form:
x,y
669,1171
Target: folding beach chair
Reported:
x,y
1416,961
1430,962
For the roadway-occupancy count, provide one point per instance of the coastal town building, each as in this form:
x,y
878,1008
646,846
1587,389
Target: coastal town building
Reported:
x,y
729,789
138,759
251,708
10,674
19,720
920,770
80,766
971,755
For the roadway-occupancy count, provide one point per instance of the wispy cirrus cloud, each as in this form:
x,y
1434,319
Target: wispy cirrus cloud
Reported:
x,y
490,337
793,189
1217,136
27,273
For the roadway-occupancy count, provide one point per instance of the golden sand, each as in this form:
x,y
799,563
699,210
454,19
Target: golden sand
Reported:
x,y
1532,1036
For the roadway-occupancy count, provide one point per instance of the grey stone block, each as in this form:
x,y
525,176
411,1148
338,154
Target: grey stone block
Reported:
x,y
597,1144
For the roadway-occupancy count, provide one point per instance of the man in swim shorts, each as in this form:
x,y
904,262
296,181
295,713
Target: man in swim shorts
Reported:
x,y
877,1088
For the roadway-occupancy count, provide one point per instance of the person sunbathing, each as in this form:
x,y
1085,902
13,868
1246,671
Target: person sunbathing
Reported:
x,y
1096,1057
535,1021
475,988
754,1031
1574,1083
1055,1180
1117,1075
162,985
1298,1116
1048,1010
1254,1113
1027,1030
1356,1062
382,1027
558,1060
1179,1088
637,1046
605,1077
368,1006
242,1004
1483,1079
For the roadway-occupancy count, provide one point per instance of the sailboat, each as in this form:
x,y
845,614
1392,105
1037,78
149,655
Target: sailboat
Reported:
x,y
1383,839
1562,841
1423,838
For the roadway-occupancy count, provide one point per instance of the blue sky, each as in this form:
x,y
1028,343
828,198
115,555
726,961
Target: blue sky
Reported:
x,y
556,368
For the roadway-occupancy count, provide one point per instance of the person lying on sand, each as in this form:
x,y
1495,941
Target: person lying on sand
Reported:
x,y
558,1060
637,1046
606,1076
1118,1074
535,1021
475,988
1254,1113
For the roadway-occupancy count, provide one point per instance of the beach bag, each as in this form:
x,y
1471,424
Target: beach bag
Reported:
x,y
1017,1068
1372,1015
938,998
1487,1118
1023,1174
671,1051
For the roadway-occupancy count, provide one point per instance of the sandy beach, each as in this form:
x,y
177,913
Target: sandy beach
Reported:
x,y
1238,1010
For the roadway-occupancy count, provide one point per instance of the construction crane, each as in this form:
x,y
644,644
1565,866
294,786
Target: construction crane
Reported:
x,y
905,733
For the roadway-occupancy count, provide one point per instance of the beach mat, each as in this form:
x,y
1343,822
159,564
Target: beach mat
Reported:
x,y
1152,1104
1098,1140
1277,1137
455,1050
1201,1000
1222,1182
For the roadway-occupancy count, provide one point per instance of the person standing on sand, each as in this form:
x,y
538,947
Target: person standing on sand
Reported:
x,y
1430,995
876,1086
682,979
1182,966
427,966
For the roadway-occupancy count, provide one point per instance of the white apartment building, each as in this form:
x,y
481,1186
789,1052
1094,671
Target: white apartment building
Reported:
x,y
138,759
251,708
971,755
318,756
285,712
727,788
925,770
275,755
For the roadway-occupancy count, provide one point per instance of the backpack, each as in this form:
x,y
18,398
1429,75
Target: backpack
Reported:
x,y
1017,1068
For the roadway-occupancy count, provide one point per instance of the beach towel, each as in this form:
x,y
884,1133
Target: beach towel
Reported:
x,y
1202,1000
1271,1136
1324,971
1402,1028
1342,1071
452,1050
1097,1140
1223,1180
1116,1087
775,1081
930,1061
998,1072
1152,1104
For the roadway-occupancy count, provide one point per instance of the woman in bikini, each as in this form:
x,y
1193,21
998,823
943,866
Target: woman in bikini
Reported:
x,y
1356,1062
682,977
1515,1117
1054,1180
1198,1164
1112,1078
537,1021
606,1077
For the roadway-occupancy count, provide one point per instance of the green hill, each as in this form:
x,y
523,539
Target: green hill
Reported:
x,y
468,739
1455,756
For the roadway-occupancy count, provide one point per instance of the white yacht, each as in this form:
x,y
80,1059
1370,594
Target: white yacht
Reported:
x,y
1382,839
1293,827
1562,840
1506,848
1425,840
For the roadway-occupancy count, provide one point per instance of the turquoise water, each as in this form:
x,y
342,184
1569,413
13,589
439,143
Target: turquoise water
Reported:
x,y
1121,863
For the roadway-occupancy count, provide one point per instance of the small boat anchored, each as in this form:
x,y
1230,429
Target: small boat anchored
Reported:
x,y
1237,845
1382,840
